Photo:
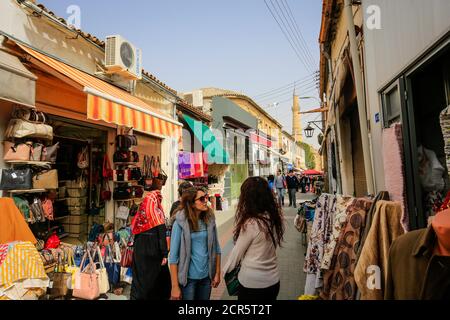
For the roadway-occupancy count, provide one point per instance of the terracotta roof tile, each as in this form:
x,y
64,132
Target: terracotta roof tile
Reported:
x,y
184,104
101,44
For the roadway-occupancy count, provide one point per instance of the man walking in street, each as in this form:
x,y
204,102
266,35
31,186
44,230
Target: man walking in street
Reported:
x,y
280,183
292,184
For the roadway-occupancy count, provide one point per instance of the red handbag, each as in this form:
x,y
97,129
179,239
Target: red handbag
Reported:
x,y
105,193
107,171
53,242
127,255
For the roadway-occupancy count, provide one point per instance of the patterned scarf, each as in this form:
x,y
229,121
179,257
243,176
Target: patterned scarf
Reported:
x,y
150,214
339,281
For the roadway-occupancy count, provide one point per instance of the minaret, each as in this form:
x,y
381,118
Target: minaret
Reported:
x,y
297,121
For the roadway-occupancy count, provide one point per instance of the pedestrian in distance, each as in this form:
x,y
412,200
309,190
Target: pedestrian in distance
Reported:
x,y
280,186
258,233
151,277
195,255
292,184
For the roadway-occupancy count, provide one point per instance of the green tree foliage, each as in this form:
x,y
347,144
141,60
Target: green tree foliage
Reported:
x,y
310,160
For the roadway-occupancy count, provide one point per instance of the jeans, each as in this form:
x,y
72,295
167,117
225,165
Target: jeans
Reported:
x,y
266,294
293,197
197,289
280,194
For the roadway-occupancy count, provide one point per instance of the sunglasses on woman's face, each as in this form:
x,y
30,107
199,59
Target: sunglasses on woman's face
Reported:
x,y
204,198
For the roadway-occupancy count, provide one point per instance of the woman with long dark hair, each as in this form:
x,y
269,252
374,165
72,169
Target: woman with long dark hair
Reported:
x,y
195,251
259,231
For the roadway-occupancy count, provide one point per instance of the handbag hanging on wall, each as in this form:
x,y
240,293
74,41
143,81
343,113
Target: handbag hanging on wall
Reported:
x,y
107,171
83,158
147,176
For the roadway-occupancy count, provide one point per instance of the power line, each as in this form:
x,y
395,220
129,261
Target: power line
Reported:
x,y
290,42
291,33
304,89
290,88
311,76
302,39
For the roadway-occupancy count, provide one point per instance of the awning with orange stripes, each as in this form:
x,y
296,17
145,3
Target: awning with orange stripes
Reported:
x,y
108,103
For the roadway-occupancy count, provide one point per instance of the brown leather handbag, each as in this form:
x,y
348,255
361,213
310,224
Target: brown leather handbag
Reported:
x,y
46,180
17,152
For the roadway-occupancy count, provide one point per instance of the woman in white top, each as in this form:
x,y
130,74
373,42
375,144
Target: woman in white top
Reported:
x,y
259,231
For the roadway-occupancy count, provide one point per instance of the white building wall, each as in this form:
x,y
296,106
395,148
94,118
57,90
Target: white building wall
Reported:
x,y
408,28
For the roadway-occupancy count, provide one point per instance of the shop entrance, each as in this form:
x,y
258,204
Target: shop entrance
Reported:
x,y
427,171
79,163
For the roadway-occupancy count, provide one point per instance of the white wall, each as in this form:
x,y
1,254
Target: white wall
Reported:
x,y
408,28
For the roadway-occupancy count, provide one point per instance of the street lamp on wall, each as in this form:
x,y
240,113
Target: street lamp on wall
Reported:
x,y
309,131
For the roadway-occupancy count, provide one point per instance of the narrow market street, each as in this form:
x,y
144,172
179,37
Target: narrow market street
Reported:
x,y
136,139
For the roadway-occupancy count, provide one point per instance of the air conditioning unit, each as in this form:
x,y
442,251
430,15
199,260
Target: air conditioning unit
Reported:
x,y
122,58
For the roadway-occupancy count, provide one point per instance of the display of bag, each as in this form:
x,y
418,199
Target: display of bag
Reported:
x,y
36,152
107,172
135,174
134,209
24,208
103,281
18,128
47,206
86,280
46,180
147,177
126,260
122,175
122,156
50,153
72,269
125,142
137,192
105,239
155,166
17,152
162,176
112,264
53,242
123,212
61,281
134,156
16,179
83,158
105,193
122,193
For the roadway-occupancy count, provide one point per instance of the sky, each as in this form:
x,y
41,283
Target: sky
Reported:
x,y
230,44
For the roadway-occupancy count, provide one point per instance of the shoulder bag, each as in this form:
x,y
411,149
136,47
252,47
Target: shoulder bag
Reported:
x,y
47,206
107,171
86,280
36,152
61,280
16,179
103,282
18,128
19,152
50,153
232,281
46,180
123,212
83,158
126,260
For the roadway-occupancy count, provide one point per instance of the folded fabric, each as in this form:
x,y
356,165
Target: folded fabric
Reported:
x,y
386,227
22,269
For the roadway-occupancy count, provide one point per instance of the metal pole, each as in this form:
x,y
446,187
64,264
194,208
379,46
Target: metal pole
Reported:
x,y
360,94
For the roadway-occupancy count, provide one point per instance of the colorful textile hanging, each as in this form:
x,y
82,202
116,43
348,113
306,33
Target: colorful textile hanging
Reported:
x,y
445,126
339,281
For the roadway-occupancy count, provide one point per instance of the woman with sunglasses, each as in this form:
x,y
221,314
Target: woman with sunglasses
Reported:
x,y
259,231
195,253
